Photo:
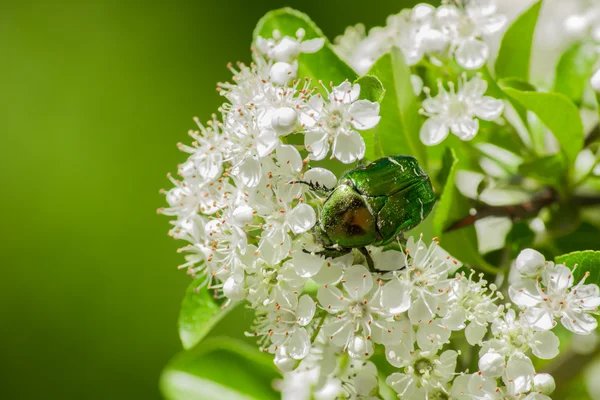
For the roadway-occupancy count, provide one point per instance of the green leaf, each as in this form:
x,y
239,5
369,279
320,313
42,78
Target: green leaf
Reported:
x,y
574,70
585,237
398,130
323,65
548,170
199,313
452,207
515,49
371,88
587,261
221,368
556,112
519,237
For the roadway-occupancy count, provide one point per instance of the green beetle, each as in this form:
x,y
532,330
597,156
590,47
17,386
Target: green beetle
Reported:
x,y
374,204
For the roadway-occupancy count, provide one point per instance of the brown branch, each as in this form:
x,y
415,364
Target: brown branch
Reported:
x,y
515,212
592,136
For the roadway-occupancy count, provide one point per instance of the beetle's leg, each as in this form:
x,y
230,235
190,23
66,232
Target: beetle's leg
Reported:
x,y
314,186
370,262
329,252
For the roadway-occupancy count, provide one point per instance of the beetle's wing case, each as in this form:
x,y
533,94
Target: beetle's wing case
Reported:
x,y
410,206
347,219
386,176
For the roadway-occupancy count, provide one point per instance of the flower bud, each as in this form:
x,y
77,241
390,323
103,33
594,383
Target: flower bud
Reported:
x,y
360,348
234,290
529,262
242,215
282,72
284,120
283,362
491,364
544,383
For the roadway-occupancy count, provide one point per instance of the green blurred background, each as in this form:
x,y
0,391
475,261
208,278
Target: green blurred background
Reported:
x,y
95,95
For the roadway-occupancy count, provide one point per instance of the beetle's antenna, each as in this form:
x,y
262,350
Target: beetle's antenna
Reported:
x,y
315,186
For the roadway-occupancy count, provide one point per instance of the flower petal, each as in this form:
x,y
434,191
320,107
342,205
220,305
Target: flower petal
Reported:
x,y
545,345
431,336
349,147
433,132
321,176
579,322
474,333
465,128
301,218
364,114
358,282
331,298
298,345
289,156
306,310
403,384
524,293
312,45
317,143
395,296
266,142
539,319
248,171
472,54
492,364
489,108
306,265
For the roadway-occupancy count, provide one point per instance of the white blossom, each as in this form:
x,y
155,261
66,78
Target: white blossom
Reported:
x,y
457,111
424,375
425,31
359,317
248,197
337,122
554,296
286,48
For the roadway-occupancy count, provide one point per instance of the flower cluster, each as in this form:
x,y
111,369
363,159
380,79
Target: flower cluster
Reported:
x,y
451,30
248,199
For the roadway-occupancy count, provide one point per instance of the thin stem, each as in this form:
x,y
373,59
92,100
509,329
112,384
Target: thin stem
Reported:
x,y
588,173
314,335
592,136
515,212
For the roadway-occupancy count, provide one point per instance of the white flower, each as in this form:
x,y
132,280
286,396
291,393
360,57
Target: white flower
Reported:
x,y
206,160
285,327
469,301
416,32
466,28
515,336
249,143
424,375
447,31
556,297
286,48
337,122
456,111
420,284
359,316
